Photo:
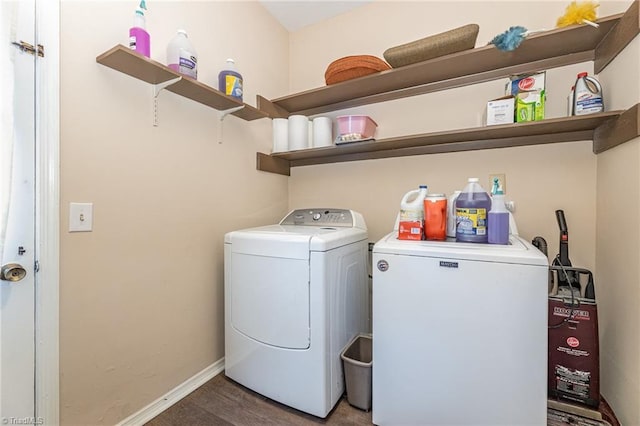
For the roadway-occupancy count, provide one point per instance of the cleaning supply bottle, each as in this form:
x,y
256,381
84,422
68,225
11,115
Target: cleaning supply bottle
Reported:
x,y
498,217
451,214
182,56
411,220
230,80
587,96
435,217
472,206
570,101
139,39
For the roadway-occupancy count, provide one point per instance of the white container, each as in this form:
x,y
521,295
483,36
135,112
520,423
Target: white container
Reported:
x,y
182,56
451,214
500,111
322,132
412,205
411,217
280,134
587,96
298,132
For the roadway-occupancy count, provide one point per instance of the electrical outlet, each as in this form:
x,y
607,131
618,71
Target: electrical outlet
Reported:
x,y
502,178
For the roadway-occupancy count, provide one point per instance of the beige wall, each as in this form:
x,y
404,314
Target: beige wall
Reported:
x,y
540,179
618,248
141,297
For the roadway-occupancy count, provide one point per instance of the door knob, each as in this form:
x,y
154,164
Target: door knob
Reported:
x,y
12,272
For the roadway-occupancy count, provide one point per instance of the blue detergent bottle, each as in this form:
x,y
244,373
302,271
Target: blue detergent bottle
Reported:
x,y
230,80
472,206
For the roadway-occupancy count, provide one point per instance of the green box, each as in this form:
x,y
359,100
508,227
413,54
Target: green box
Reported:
x,y
530,106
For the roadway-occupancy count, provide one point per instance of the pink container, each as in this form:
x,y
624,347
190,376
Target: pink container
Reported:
x,y
356,124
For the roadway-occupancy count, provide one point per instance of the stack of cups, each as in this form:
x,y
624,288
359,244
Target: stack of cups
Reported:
x,y
298,132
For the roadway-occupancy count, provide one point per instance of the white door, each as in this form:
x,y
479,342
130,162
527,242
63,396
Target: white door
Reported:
x,y
17,195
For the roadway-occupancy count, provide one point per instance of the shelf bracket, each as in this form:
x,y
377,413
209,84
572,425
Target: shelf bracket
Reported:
x,y
222,115
157,88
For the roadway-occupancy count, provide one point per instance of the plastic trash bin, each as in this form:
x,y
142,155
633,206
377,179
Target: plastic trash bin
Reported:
x,y
357,361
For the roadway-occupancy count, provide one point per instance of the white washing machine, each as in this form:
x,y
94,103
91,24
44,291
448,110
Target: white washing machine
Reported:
x,y
295,294
459,333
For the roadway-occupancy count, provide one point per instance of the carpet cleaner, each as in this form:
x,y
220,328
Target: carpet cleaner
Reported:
x,y
574,358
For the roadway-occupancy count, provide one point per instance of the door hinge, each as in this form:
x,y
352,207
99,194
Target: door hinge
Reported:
x,y
36,266
29,48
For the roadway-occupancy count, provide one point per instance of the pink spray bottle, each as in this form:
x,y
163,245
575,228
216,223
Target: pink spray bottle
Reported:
x,y
139,39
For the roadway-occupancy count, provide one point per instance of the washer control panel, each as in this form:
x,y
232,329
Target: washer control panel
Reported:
x,y
319,217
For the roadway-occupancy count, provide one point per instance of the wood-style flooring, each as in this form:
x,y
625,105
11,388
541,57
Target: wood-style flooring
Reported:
x,y
222,401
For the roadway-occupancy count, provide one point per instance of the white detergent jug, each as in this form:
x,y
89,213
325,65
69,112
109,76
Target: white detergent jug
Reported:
x,y
587,95
411,224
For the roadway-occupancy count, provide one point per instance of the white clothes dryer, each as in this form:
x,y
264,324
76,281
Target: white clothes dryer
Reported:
x,y
295,294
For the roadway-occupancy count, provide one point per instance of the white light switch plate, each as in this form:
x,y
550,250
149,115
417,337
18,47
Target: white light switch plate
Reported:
x,y
80,217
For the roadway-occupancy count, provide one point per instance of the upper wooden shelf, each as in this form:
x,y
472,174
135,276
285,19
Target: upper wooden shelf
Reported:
x,y
542,51
131,63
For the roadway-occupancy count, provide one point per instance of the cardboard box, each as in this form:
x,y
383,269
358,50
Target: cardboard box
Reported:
x,y
411,230
530,95
500,111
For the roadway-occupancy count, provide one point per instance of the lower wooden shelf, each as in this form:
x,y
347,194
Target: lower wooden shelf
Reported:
x,y
606,129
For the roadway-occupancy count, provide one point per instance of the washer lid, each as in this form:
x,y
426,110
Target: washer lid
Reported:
x,y
517,251
291,241
272,241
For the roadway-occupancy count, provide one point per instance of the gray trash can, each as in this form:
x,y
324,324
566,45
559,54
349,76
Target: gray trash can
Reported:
x,y
357,361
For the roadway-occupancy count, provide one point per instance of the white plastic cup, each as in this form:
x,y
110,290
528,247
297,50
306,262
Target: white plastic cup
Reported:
x,y
322,132
280,134
298,134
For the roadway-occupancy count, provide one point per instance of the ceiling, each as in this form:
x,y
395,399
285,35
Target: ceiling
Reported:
x,y
296,14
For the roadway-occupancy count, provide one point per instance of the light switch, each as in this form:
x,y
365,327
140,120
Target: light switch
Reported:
x,y
80,217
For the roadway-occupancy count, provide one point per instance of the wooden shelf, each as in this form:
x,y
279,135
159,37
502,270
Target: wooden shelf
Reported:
x,y
542,51
127,61
601,128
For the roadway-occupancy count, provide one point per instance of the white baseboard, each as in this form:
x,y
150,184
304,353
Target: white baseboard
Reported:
x,y
174,395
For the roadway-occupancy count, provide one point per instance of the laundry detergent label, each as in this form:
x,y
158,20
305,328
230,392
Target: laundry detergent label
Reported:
x,y
233,86
188,64
471,221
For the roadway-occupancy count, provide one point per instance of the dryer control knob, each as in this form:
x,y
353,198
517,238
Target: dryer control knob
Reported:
x,y
317,216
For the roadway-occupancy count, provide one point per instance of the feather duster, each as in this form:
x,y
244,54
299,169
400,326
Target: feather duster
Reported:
x,y
510,39
579,13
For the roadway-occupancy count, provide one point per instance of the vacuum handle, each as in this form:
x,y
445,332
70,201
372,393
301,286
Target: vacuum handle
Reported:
x,y
564,238
562,223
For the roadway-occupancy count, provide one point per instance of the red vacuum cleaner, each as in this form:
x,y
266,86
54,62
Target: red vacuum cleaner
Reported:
x,y
574,358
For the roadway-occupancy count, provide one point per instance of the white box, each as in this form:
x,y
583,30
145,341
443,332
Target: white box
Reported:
x,y
500,111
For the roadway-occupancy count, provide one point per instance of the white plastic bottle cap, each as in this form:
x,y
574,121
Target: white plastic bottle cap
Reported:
x,y
473,179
